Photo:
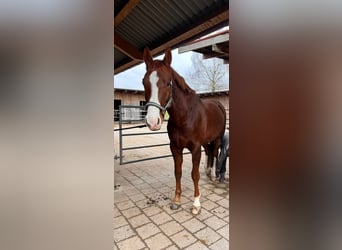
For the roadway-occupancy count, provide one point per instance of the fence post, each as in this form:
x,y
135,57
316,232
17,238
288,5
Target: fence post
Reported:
x,y
120,133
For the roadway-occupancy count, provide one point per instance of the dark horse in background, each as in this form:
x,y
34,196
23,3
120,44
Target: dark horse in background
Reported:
x,y
192,123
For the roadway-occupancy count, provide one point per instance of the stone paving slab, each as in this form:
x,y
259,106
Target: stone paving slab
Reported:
x,y
143,193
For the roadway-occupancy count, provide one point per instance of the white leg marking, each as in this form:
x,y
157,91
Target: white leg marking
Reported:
x,y
153,112
197,201
196,206
213,168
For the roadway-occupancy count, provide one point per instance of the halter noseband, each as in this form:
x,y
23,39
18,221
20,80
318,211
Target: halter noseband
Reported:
x,y
168,104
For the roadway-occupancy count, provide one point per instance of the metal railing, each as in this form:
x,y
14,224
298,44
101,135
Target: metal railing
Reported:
x,y
129,114
135,114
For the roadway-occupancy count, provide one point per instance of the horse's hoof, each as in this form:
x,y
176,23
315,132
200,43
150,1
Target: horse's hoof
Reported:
x,y
196,210
174,206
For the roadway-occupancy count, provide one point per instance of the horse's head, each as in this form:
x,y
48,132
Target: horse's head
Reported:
x,y
157,85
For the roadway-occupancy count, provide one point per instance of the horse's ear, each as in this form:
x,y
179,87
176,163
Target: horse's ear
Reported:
x,y
147,57
167,57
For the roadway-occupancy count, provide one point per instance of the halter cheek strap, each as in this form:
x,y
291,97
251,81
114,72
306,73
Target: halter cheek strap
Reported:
x,y
168,104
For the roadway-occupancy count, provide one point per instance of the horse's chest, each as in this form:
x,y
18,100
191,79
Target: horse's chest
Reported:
x,y
182,137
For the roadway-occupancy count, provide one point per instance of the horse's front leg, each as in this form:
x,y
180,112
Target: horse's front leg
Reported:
x,y
196,158
177,154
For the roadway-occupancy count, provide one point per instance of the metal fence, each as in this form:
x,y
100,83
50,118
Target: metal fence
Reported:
x,y
129,114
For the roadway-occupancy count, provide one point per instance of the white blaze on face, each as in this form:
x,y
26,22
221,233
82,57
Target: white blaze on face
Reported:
x,y
153,112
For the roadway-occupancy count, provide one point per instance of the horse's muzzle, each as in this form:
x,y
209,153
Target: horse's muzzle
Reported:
x,y
155,125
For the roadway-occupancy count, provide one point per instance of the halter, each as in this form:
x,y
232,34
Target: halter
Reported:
x,y
168,104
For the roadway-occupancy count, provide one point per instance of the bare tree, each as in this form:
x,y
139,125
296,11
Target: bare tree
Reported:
x,y
207,75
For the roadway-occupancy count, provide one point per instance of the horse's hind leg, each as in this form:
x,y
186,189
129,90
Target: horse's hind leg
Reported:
x,y
178,160
216,146
196,157
206,157
213,157
223,169
219,163
210,159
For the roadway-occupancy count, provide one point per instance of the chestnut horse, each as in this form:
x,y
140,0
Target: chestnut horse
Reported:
x,y
192,123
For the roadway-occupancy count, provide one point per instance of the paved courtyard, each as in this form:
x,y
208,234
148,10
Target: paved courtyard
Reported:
x,y
143,193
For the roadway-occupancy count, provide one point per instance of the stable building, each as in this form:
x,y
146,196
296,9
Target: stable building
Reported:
x,y
135,101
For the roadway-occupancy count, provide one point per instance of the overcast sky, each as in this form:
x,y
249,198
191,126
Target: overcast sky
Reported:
x,y
132,78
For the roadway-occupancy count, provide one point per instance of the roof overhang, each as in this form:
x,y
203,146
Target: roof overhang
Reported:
x,y
216,45
160,25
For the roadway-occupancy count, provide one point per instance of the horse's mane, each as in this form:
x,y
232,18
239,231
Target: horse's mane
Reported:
x,y
179,80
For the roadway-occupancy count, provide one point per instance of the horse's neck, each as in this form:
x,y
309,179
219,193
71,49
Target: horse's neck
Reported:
x,y
181,103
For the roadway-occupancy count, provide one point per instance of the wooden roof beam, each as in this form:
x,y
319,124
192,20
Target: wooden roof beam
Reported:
x,y
197,29
204,43
125,12
127,48
219,48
